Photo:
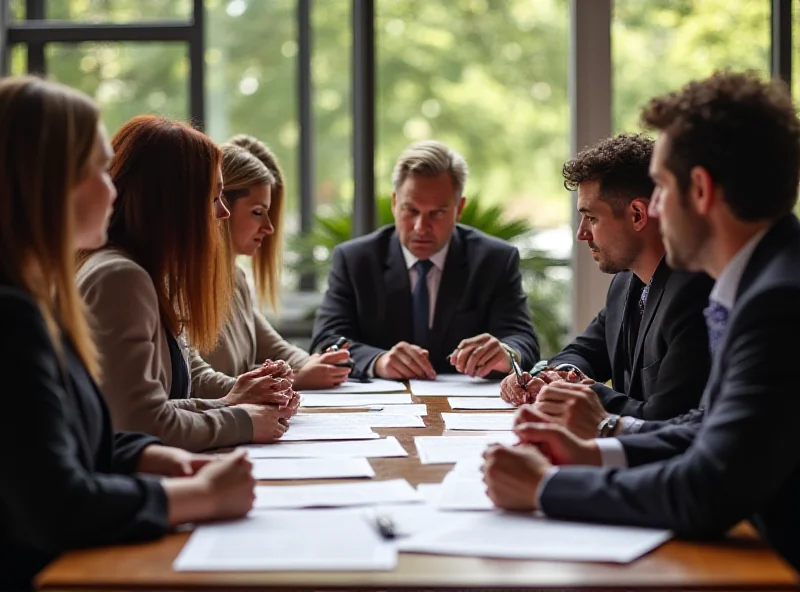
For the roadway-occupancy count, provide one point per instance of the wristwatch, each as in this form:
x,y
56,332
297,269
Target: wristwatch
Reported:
x,y
607,426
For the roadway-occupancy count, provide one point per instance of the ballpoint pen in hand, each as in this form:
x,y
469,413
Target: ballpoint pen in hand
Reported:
x,y
517,371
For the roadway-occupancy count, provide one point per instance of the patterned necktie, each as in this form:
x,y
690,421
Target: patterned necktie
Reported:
x,y
420,303
643,297
716,318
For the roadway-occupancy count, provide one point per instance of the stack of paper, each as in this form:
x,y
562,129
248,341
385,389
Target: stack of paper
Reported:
x,y
455,385
336,495
386,447
463,490
439,449
525,536
350,387
346,421
312,400
311,468
300,430
478,403
479,421
289,540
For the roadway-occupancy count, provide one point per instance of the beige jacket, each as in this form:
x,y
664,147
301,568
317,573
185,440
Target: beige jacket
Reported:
x,y
135,361
246,341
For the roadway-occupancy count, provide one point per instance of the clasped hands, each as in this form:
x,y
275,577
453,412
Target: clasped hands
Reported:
x,y
512,474
475,356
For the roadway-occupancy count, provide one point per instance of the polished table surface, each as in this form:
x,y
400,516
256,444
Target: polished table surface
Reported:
x,y
740,562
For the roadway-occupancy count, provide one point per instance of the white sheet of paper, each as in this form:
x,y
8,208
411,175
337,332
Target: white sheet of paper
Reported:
x,y
430,492
455,385
450,449
311,468
411,519
478,403
289,540
409,409
367,419
385,447
478,421
463,490
351,387
303,431
515,536
369,493
354,400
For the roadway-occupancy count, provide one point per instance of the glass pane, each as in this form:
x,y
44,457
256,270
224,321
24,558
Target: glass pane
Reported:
x,y
118,11
126,79
661,44
16,10
488,78
19,60
251,83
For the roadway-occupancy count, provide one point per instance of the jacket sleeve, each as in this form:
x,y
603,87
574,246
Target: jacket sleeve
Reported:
x,y
124,306
50,501
746,443
337,315
589,351
207,382
509,319
128,448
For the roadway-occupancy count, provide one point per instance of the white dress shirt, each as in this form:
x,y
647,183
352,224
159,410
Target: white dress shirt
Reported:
x,y
612,453
434,276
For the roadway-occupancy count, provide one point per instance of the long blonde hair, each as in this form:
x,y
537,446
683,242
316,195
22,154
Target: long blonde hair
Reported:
x,y
47,135
165,174
247,162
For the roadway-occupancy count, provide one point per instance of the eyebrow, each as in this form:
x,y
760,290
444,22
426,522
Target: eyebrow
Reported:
x,y
584,210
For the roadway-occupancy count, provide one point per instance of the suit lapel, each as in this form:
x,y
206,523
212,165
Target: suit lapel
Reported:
x,y
451,290
657,289
398,292
616,313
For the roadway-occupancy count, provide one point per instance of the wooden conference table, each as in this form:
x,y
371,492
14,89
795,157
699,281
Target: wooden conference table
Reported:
x,y
741,562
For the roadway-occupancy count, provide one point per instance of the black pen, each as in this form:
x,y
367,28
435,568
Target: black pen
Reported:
x,y
517,371
385,527
337,346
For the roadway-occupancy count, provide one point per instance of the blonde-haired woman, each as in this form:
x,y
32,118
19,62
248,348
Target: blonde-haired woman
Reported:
x,y
164,277
254,193
56,197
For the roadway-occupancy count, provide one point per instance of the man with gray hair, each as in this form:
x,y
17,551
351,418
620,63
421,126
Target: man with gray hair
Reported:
x,y
427,295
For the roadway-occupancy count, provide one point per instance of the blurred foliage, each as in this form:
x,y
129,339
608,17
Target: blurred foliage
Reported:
x,y
546,294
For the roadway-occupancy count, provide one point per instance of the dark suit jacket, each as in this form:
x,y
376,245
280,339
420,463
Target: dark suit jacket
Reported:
x,y
369,298
66,477
738,460
671,360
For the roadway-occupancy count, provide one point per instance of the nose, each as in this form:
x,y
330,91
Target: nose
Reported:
x,y
267,227
583,234
421,224
220,210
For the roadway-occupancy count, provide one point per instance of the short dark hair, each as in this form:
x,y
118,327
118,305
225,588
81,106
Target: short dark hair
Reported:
x,y
621,165
743,130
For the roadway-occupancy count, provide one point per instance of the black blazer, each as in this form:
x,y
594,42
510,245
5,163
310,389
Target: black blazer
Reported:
x,y
67,479
741,459
671,360
369,298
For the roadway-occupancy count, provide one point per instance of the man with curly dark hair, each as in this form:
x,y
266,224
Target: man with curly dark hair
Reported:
x,y
726,166
650,339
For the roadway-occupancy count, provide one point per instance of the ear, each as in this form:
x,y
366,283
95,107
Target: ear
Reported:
x,y
702,190
460,207
638,213
394,203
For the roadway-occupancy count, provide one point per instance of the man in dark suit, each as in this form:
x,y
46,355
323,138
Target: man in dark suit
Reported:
x,y
726,170
427,295
649,340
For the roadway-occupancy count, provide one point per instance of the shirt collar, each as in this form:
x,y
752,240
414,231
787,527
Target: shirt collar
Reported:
x,y
437,258
727,284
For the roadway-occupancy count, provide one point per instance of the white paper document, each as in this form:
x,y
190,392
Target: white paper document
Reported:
x,y
478,421
463,490
368,493
350,387
357,419
517,536
430,492
354,400
300,431
411,519
311,468
478,403
385,447
455,385
289,540
450,449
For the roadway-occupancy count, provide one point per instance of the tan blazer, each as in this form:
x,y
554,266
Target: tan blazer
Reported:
x,y
246,341
135,362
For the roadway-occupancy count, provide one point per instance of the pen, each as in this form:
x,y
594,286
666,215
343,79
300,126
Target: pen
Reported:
x,y
337,346
385,526
517,369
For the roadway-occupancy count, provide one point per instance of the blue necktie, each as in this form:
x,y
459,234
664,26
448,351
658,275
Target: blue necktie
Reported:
x,y
716,317
420,303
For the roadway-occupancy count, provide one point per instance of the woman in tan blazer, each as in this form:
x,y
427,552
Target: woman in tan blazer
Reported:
x,y
163,278
254,192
